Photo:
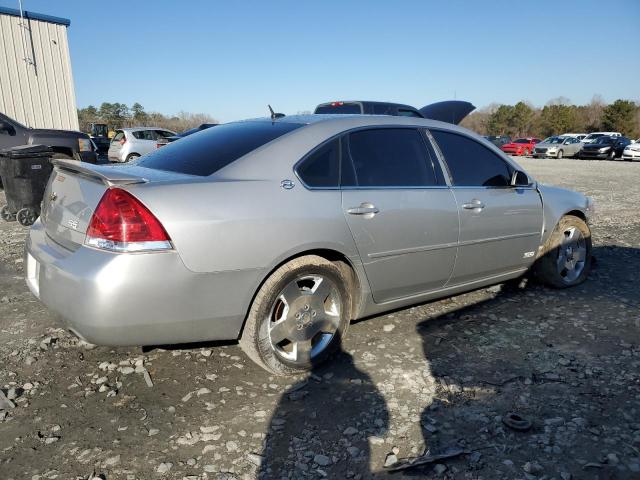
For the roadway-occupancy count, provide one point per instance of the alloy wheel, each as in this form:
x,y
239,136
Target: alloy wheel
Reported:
x,y
304,318
572,254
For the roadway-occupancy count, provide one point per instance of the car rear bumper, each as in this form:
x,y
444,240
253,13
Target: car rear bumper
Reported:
x,y
135,299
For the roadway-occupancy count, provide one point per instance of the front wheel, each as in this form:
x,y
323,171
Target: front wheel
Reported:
x,y
560,154
566,256
612,154
27,216
299,316
6,214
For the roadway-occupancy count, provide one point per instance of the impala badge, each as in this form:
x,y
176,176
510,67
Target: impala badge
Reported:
x,y
72,223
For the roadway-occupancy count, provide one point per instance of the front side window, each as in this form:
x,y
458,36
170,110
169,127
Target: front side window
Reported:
x,y
470,163
388,157
215,148
322,167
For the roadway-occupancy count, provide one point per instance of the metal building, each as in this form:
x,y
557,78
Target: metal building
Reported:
x,y
36,83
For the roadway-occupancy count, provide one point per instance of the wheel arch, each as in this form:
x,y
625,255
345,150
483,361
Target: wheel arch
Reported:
x,y
355,272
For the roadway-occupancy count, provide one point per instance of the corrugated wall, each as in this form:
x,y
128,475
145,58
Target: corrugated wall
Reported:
x,y
39,95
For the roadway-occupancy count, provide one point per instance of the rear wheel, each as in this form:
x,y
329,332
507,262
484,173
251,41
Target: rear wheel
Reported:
x,y
298,316
27,216
6,215
566,258
132,156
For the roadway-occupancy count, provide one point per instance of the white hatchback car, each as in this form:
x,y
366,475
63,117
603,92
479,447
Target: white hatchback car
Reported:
x,y
632,151
131,143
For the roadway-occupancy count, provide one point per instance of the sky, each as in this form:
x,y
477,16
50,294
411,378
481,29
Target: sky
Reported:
x,y
230,59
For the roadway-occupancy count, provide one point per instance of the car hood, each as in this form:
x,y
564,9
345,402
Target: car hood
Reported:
x,y
547,145
450,111
633,146
595,146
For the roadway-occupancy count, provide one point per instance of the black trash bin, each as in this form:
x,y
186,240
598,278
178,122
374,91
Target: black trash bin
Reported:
x,y
25,172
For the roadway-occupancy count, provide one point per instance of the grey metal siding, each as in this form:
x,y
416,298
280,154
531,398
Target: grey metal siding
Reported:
x,y
39,91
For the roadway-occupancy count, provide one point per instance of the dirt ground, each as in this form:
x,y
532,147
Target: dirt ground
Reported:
x,y
441,376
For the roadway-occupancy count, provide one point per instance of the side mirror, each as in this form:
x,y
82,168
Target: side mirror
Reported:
x,y
7,128
520,179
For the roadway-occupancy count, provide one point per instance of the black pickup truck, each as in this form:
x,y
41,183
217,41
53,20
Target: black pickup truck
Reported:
x,y
450,111
65,143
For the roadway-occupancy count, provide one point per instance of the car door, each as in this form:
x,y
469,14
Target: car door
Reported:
x,y
500,226
402,215
572,146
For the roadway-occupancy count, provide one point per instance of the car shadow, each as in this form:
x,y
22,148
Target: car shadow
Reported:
x,y
543,355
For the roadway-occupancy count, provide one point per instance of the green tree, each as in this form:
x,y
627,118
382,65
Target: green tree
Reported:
x,y
620,117
557,119
500,121
521,117
138,115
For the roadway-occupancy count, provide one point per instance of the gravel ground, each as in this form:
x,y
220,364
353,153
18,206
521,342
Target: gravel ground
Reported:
x,y
440,377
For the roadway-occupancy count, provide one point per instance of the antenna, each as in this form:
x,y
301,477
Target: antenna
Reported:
x,y
274,115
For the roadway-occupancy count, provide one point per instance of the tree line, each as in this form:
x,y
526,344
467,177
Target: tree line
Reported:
x,y
556,117
119,115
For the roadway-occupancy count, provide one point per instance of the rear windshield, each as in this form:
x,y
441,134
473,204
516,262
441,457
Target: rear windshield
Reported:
x,y
348,108
208,151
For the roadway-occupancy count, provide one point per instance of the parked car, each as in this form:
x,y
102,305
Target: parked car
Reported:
x,y
280,232
520,146
579,136
632,151
65,143
450,111
498,140
557,147
131,143
592,137
605,148
162,141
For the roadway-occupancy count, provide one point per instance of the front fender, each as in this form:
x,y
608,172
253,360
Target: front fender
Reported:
x,y
557,202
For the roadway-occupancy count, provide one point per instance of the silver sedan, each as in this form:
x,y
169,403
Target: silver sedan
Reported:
x,y
558,147
279,232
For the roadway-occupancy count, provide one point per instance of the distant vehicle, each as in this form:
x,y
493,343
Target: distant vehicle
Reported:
x,y
65,143
594,135
131,143
165,140
605,148
450,111
520,146
579,136
632,151
99,133
558,147
498,140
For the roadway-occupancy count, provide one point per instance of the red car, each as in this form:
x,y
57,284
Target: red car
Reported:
x,y
520,146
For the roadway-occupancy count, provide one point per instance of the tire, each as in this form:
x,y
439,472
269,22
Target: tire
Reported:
x,y
560,266
27,216
132,156
6,215
612,155
526,152
560,154
288,318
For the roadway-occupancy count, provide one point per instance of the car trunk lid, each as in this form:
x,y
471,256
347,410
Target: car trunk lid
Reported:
x,y
450,111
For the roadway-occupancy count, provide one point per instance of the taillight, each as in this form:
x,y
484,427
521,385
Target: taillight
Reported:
x,y
121,223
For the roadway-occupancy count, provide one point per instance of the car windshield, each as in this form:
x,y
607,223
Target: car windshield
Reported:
x,y
521,140
553,140
604,141
208,151
591,136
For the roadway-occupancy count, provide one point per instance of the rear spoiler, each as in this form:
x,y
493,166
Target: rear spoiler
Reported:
x,y
110,176
450,111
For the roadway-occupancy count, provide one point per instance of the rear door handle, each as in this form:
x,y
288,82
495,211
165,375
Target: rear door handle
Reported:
x,y
363,209
474,204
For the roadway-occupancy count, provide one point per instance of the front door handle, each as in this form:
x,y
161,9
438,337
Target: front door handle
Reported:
x,y
474,204
364,209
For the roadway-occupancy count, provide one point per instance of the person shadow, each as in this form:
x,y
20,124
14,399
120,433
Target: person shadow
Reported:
x,y
323,424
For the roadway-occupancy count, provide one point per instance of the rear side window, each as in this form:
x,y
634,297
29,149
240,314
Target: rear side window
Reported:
x,y
322,167
208,151
163,134
339,107
144,134
472,164
390,157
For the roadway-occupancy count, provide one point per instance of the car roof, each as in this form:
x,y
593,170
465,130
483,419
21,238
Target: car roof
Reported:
x,y
138,129
353,120
368,102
